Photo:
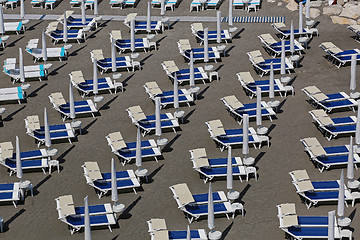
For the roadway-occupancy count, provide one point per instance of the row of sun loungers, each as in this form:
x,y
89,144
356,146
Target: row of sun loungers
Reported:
x,y
197,30
338,56
10,192
140,26
14,93
273,47
59,52
198,53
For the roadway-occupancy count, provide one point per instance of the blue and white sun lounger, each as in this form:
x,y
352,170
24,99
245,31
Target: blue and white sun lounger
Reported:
x,y
127,151
273,47
183,75
200,159
10,192
25,164
121,62
78,36
17,27
305,221
140,26
59,53
300,233
286,33
194,212
197,30
14,93
237,109
356,29
338,56
315,149
198,53
76,222
125,44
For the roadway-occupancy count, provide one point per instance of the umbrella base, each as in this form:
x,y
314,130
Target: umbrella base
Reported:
x,y
215,235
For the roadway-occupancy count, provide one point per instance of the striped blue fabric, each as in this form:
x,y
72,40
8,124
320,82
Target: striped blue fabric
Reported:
x,y
249,19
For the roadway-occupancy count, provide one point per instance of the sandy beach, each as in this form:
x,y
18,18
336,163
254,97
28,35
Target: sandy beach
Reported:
x,y
37,218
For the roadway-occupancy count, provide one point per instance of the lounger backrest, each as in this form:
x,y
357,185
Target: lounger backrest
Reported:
x,y
325,121
320,97
197,27
116,34
331,47
311,90
279,25
172,69
215,123
288,221
117,140
93,170
233,102
130,16
32,43
268,38
158,224
169,63
198,152
153,88
52,27
287,209
67,15
300,175
317,150
254,54
184,44
161,235
318,113
304,186
32,122
77,77
6,150
66,204
183,194
97,54
136,113
311,142
201,162
57,98
246,77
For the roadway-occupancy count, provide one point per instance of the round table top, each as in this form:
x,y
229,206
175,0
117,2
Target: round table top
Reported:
x,y
262,130
52,152
141,172
209,67
76,124
98,98
118,207
179,114
237,206
355,95
162,141
150,36
353,184
233,29
2,110
274,103
25,184
117,75
165,19
344,222
285,79
25,86
233,195
309,22
221,47
67,46
248,161
294,57
53,162
194,89
134,55
215,235
303,39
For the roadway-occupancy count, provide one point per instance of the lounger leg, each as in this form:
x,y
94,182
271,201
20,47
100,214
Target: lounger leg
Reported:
x,y
134,190
14,202
110,228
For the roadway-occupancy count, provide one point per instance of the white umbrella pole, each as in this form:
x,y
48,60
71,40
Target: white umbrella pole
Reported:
x,y
87,231
83,14
300,17
350,163
65,37
341,197
229,172
71,102
282,67
176,93
218,26
292,36
245,147
357,131
188,233
206,46
2,27
148,18
19,172
43,45
192,71
353,74
211,218
331,225
307,9
132,35
271,89
22,9
21,63
258,107
230,13
95,77
96,11
138,149
113,57
162,7
157,117
114,193
47,130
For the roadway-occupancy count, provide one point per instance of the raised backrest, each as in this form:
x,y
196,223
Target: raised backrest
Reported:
x,y
182,193
115,34
6,150
246,77
232,102
57,98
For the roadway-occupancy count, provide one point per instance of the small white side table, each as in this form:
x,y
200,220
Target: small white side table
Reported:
x,y
76,125
237,206
179,115
142,173
118,208
215,235
274,104
248,161
344,222
24,186
53,163
233,195
262,130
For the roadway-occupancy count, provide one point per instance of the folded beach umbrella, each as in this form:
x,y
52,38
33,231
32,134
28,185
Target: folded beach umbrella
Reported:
x,y
132,35
271,88
230,13
95,78
19,172
282,65
206,46
87,231
245,147
218,26
21,63
113,57
341,197
176,93
22,9
188,233
2,26
83,14
157,117
138,149
114,193
292,36
258,107
350,163
300,17
96,11
47,130
192,71
211,217
148,18
43,46
357,132
162,7
65,32
353,73
331,225
71,102
229,172
307,9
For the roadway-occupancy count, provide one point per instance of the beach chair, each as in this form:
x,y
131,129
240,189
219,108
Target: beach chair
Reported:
x,y
122,4
85,87
304,221
35,164
262,66
57,132
158,230
3,40
197,30
127,151
11,3
279,27
102,186
63,107
58,53
169,4
73,22
7,151
250,85
252,4
273,47
183,75
140,26
356,30
104,64
302,183
10,192
196,4
237,109
14,93
329,102
147,123
77,35
224,138
200,159
167,97
17,27
315,149
337,56
198,53
125,44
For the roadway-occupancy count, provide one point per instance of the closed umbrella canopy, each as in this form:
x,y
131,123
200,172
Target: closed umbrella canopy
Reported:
x,y
21,63
96,12
157,117
176,93
350,164
206,46
258,107
138,149
341,197
43,46
211,217
19,172
307,9
292,37
148,18
22,9
229,172
71,102
271,89
162,7
87,231
113,57
2,26
188,233
95,77
114,193
132,35
357,132
300,17
218,26
47,130
65,32
331,226
353,73
192,71
245,147
282,66
83,14
230,13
